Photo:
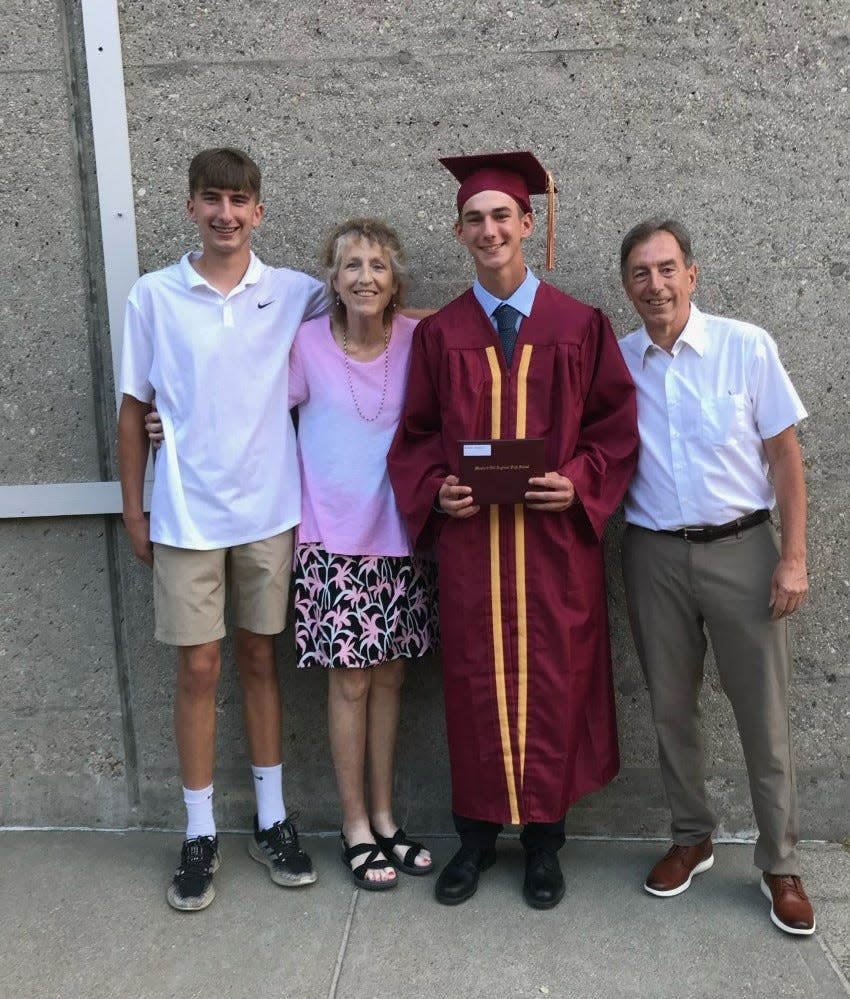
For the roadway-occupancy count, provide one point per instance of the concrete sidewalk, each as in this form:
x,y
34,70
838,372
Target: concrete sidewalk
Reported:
x,y
84,915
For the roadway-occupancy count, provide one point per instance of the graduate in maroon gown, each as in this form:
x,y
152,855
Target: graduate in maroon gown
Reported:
x,y
523,613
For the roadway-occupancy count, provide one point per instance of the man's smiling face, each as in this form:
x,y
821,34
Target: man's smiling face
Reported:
x,y
225,218
659,284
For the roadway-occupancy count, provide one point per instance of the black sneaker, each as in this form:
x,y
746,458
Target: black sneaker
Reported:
x,y
192,887
278,849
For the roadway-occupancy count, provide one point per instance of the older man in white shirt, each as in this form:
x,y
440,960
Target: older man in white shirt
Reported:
x,y
716,413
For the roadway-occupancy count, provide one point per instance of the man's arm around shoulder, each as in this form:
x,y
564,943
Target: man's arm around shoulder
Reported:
x,y
132,460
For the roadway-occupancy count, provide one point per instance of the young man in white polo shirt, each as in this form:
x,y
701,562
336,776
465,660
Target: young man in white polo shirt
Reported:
x,y
210,337
716,414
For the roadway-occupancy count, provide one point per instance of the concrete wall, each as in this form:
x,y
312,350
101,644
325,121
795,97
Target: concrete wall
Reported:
x,y
732,116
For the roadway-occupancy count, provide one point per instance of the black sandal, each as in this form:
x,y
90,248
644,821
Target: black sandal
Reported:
x,y
371,863
407,863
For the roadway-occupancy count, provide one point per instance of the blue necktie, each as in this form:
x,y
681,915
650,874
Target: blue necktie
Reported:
x,y
506,317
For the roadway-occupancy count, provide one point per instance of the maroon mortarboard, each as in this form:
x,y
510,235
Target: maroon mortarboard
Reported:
x,y
517,174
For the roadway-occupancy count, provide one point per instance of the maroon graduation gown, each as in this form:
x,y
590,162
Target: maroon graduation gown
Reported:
x,y
523,612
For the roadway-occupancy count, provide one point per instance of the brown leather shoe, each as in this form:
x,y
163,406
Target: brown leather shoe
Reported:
x,y
790,908
673,873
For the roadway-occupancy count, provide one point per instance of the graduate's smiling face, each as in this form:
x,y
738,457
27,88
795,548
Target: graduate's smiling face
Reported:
x,y
492,226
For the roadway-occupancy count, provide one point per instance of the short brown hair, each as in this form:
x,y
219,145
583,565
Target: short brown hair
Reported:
x,y
373,231
642,232
226,168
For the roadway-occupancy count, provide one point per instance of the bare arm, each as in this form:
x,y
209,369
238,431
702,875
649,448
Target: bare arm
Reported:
x,y
132,459
790,583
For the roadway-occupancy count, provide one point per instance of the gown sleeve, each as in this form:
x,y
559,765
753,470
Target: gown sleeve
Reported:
x,y
606,452
416,461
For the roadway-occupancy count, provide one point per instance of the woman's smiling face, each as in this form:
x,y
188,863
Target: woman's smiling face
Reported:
x,y
365,281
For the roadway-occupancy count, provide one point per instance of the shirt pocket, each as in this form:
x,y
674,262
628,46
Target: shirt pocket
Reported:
x,y
723,418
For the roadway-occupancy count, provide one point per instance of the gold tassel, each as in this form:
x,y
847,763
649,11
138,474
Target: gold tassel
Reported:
x,y
550,221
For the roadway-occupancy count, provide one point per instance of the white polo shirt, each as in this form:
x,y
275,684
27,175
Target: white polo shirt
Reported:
x,y
704,411
227,471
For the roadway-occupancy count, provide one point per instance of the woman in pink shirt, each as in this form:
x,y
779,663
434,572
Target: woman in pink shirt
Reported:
x,y
363,602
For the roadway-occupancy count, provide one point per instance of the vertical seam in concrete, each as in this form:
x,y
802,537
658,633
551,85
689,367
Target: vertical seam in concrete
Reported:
x,y
343,947
834,964
100,360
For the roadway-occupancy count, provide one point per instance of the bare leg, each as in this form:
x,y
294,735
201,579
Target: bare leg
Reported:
x,y
383,715
198,670
261,707
348,697
382,724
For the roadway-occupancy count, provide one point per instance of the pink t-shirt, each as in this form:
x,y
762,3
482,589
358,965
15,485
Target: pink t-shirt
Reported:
x,y
347,503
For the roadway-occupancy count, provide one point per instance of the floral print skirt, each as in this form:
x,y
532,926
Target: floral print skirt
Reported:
x,y
362,610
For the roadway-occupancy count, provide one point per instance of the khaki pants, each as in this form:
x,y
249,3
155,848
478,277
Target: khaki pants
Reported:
x,y
676,591
189,589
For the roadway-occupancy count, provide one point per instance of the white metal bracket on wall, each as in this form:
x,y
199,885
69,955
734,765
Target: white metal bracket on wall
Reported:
x,y
120,250
112,158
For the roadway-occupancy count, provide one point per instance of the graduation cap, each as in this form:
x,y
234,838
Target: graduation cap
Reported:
x,y
516,174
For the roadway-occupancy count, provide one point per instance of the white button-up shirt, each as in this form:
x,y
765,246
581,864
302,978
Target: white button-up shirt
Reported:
x,y
704,411
227,472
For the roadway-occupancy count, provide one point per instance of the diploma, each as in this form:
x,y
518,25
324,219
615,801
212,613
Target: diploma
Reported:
x,y
498,471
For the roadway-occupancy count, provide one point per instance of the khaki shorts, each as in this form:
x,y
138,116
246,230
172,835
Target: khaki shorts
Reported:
x,y
189,588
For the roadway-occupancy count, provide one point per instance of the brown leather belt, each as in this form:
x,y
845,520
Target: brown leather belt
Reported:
x,y
715,532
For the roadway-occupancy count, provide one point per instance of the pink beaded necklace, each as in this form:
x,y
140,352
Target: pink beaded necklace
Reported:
x,y
360,413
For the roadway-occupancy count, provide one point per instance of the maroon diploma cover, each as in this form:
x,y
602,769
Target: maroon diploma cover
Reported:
x,y
498,471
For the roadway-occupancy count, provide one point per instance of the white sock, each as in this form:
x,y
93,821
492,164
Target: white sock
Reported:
x,y
199,809
268,786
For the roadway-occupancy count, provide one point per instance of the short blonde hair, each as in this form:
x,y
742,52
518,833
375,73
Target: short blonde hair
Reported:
x,y
373,231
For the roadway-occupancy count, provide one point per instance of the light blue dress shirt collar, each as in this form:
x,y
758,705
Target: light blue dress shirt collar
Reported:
x,y
522,299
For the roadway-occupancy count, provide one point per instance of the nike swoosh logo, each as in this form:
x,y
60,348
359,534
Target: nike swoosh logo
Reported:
x,y
262,305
